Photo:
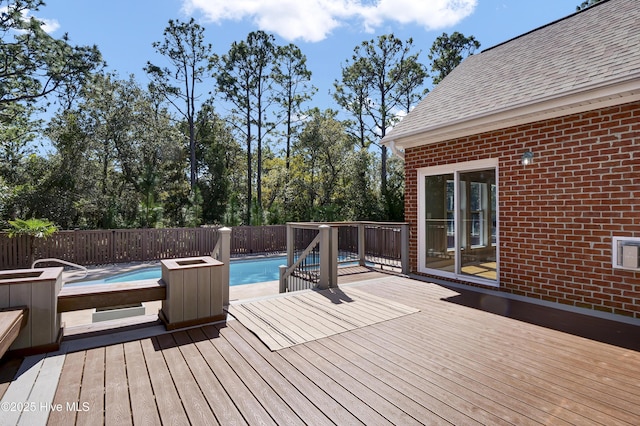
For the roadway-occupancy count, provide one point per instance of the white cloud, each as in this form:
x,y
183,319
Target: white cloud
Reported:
x,y
48,25
314,20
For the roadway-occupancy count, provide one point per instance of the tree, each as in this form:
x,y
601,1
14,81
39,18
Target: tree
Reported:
x,y
448,51
33,67
318,169
116,159
33,64
382,79
585,4
216,144
352,94
245,78
293,78
184,47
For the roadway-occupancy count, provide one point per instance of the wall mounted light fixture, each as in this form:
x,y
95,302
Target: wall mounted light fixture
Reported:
x,y
527,158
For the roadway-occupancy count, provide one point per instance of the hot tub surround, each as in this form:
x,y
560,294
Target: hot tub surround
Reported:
x,y
195,293
37,290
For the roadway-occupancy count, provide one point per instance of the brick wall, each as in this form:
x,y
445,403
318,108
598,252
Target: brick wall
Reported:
x,y
558,215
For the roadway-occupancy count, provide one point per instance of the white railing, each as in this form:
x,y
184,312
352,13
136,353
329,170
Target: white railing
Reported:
x,y
315,266
62,262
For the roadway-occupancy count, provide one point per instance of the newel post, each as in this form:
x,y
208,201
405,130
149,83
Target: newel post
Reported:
x,y
361,242
225,257
328,257
325,235
404,247
291,244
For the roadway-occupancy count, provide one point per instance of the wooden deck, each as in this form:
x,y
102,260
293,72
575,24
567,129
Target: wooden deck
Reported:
x,y
450,363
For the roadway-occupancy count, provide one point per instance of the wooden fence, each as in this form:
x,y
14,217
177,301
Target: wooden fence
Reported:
x,y
248,240
131,245
134,245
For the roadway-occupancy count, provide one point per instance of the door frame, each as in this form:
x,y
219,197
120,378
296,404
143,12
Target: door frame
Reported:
x,y
456,169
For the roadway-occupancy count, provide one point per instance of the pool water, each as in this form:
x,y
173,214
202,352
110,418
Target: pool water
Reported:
x,y
240,272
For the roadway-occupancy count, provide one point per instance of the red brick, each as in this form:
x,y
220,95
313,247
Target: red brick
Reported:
x,y
557,217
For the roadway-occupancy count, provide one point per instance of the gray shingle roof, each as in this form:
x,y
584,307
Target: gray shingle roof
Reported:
x,y
582,51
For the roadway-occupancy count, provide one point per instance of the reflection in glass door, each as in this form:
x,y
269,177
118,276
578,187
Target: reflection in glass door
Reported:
x,y
440,227
478,224
460,223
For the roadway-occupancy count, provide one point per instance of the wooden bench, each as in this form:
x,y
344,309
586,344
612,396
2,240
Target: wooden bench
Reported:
x,y
74,298
11,322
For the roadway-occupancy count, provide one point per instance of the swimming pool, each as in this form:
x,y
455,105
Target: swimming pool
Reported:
x,y
240,272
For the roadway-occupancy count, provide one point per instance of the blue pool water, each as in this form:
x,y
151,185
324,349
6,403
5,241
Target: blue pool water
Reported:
x,y
240,272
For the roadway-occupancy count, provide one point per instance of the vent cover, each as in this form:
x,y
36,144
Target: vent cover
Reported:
x,y
626,253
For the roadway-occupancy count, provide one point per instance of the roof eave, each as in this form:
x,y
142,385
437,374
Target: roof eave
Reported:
x,y
612,93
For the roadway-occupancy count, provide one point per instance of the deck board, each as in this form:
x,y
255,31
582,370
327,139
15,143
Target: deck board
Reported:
x,y
316,395
252,411
221,405
143,406
296,400
117,388
450,363
521,381
92,389
195,404
8,369
363,388
169,405
68,389
430,381
268,398
20,388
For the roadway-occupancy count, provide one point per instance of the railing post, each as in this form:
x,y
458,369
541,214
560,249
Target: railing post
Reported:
x,y
361,242
404,248
333,258
290,244
225,257
325,253
283,280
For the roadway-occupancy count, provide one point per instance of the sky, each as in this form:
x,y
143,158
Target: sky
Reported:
x,y
325,30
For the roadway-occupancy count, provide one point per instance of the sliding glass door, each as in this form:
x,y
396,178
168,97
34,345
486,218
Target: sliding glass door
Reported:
x,y
477,224
458,222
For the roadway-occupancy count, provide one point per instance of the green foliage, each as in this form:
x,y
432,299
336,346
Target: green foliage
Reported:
x,y
184,47
130,156
245,78
34,64
585,4
32,228
448,51
36,228
319,164
216,146
382,78
294,82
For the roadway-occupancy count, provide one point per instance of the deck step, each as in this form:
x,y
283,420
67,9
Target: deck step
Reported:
x,y
11,322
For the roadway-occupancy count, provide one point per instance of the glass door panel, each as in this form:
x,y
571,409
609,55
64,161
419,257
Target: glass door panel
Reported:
x,y
440,222
477,224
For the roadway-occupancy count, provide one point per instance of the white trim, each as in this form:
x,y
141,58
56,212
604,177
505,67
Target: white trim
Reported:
x,y
467,166
584,99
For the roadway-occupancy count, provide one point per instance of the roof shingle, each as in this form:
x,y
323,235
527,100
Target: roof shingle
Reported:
x,y
585,50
